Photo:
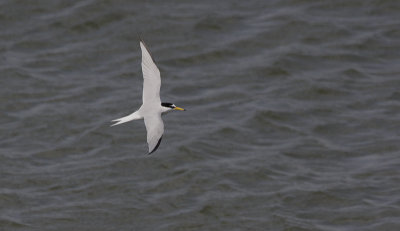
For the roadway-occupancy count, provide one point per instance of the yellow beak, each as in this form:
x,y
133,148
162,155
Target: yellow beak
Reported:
x,y
179,109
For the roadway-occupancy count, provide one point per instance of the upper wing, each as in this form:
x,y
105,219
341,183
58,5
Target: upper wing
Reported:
x,y
155,130
151,77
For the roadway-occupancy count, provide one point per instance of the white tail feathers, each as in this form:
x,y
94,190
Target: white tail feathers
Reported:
x,y
133,116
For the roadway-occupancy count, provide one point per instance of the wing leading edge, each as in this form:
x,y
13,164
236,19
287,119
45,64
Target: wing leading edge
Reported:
x,y
151,77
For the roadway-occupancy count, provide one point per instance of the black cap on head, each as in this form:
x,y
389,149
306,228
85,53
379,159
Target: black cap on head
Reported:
x,y
170,105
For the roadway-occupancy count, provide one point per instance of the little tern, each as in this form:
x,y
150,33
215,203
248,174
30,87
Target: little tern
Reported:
x,y
152,108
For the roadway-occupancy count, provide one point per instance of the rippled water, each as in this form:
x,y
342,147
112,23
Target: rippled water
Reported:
x,y
292,123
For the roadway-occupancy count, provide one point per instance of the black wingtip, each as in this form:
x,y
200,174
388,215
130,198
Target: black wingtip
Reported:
x,y
142,40
139,35
158,144
147,48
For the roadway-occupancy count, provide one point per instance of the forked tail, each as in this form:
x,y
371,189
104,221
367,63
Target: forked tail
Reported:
x,y
133,116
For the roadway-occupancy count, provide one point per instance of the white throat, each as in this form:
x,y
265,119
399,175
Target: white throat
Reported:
x,y
165,109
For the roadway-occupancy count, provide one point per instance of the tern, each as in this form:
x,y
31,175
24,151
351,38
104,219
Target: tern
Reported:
x,y
152,107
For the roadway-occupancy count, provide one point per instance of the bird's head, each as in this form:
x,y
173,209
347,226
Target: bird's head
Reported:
x,y
170,106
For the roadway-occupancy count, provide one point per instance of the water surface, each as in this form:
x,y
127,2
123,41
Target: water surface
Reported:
x,y
292,121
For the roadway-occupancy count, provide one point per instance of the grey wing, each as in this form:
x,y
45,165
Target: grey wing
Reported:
x,y
155,130
151,78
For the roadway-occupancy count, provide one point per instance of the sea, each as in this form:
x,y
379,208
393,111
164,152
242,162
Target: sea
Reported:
x,y
292,117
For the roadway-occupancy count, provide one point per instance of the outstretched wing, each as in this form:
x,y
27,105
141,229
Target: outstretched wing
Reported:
x,y
151,77
155,130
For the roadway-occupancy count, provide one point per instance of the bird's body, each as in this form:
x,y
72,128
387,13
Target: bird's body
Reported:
x,y
152,108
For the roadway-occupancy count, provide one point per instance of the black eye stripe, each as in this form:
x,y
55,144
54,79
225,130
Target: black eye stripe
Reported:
x,y
171,105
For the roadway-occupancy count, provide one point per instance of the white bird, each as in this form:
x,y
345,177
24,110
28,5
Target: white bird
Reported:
x,y
152,108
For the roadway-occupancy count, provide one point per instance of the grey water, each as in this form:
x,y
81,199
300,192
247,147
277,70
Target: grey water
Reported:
x,y
292,121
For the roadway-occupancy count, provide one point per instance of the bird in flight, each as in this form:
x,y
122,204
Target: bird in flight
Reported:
x,y
152,108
